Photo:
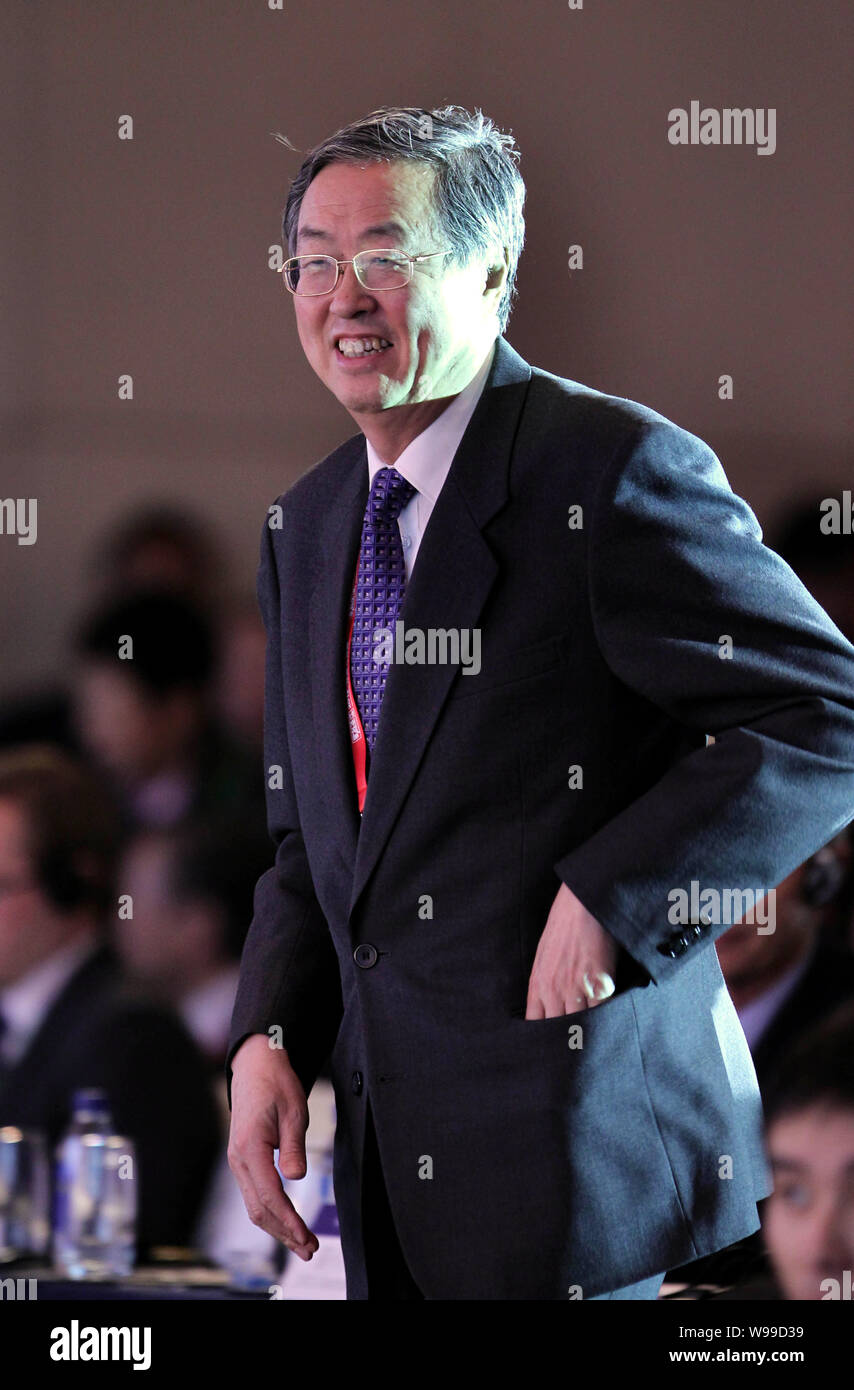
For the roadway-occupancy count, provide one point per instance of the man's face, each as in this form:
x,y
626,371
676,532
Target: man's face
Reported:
x,y
440,325
808,1221
30,928
126,730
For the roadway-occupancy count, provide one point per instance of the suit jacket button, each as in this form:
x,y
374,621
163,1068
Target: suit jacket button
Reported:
x,y
677,945
365,955
357,1083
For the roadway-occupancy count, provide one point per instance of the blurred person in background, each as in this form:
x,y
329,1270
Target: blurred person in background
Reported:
x,y
783,981
67,1018
192,894
808,1221
822,560
239,678
192,903
147,721
163,547
159,546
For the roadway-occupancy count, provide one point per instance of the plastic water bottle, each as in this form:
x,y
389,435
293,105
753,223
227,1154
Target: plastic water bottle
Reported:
x,y
95,1206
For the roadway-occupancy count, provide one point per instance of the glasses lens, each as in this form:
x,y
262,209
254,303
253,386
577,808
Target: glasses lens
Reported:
x,y
311,274
383,270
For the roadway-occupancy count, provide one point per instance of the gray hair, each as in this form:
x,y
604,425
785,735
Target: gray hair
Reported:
x,y
478,192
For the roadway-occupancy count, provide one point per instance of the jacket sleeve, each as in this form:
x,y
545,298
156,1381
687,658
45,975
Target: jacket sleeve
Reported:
x,y
696,615
289,976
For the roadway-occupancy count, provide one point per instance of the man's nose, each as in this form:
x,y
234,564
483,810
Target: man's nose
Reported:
x,y
349,297
829,1247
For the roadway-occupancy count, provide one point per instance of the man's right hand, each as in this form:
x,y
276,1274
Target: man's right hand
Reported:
x,y
269,1111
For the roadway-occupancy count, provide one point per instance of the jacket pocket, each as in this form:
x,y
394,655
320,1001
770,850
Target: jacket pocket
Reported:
x,y
510,668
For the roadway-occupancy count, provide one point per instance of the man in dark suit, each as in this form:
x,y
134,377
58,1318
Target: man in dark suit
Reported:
x,y
489,817
67,1018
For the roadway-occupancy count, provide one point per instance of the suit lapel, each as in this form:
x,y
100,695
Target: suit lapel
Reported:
x,y
451,581
329,618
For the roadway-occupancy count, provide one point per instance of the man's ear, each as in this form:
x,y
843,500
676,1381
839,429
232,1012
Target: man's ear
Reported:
x,y
497,272
823,874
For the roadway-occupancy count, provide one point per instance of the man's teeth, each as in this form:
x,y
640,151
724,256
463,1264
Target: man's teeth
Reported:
x,y
357,347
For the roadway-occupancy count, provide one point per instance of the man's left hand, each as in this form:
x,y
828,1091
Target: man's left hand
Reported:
x,y
575,961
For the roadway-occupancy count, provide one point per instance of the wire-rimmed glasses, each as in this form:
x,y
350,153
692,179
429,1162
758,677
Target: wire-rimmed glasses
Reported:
x,y
380,269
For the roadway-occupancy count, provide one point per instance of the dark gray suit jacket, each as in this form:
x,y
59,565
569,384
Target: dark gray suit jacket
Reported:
x,y
553,1166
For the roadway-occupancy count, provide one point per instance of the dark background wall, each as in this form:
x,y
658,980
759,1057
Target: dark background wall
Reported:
x,y
150,256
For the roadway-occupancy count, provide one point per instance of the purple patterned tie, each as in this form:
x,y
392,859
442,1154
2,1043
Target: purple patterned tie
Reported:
x,y
379,592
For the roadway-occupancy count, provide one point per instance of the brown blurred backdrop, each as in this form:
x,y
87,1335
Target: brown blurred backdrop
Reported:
x,y
149,256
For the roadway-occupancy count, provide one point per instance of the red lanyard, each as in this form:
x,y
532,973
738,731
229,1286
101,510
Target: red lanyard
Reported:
x,y
357,733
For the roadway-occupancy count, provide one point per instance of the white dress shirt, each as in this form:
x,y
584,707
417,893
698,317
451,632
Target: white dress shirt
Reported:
x,y
426,461
25,1004
206,1009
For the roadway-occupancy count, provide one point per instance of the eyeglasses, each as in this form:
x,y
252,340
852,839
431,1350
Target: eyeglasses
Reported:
x,y
383,269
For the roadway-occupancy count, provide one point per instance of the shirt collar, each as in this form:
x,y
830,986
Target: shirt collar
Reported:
x,y
26,1003
757,1016
426,460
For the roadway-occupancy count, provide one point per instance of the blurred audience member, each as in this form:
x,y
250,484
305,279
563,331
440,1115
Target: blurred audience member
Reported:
x,y
192,893
67,1018
192,898
823,560
239,680
41,714
159,546
143,714
783,981
808,1221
